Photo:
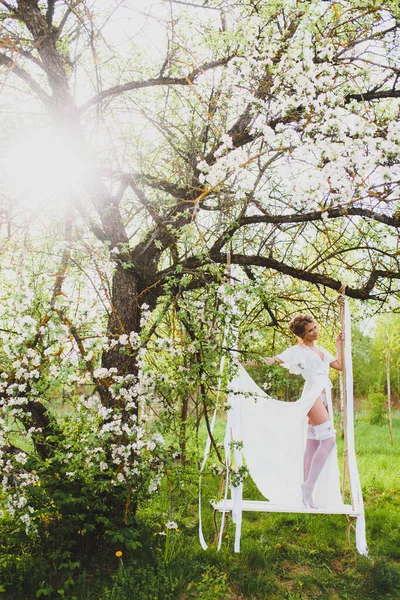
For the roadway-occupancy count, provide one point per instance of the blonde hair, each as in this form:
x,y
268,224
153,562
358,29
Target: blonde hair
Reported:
x,y
298,324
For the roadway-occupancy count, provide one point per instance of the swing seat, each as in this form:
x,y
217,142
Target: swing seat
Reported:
x,y
268,507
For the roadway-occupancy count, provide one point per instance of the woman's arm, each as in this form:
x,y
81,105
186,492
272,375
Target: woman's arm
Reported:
x,y
337,364
272,360
268,361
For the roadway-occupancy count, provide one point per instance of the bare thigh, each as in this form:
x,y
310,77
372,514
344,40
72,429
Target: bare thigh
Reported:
x,y
318,413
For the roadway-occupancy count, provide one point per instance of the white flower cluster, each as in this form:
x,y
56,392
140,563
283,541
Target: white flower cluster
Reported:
x,y
332,148
15,481
225,168
145,314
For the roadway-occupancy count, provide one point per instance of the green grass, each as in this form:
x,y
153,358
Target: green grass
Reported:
x,y
283,556
289,556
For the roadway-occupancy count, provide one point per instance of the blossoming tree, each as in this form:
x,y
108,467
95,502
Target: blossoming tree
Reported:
x,y
267,129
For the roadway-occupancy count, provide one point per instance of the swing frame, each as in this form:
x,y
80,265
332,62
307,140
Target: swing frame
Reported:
x,y
226,505
350,472
269,507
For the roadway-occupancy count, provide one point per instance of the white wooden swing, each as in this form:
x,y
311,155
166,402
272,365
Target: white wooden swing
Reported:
x,y
236,504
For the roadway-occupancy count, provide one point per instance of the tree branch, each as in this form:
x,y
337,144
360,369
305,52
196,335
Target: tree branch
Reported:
x,y
274,321
369,96
117,90
362,293
204,6
50,12
7,5
166,237
332,213
60,27
26,78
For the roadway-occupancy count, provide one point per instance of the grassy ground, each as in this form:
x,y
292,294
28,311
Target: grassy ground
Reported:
x,y
283,556
288,556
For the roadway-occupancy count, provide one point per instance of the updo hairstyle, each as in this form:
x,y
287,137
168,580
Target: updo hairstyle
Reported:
x,y
298,324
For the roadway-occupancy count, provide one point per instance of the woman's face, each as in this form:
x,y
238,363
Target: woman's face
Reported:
x,y
311,333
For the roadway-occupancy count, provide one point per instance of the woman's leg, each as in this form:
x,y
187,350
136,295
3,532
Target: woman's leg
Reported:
x,y
325,436
311,447
318,413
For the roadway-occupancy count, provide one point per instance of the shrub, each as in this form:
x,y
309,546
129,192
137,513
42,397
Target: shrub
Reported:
x,y
376,408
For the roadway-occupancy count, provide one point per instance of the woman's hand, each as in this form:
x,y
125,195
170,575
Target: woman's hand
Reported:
x,y
340,338
250,363
270,361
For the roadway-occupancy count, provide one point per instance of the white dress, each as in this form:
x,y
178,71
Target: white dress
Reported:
x,y
274,432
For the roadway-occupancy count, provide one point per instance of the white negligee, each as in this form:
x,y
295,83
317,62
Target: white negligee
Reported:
x,y
274,432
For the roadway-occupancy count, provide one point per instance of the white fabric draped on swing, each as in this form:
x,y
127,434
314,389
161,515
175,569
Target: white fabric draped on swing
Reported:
x,y
355,484
274,436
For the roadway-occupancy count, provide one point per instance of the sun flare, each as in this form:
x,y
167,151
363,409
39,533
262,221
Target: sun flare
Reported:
x,y
42,169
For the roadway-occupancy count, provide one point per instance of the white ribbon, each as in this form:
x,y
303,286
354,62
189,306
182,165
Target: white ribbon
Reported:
x,y
226,441
361,541
237,491
208,446
227,450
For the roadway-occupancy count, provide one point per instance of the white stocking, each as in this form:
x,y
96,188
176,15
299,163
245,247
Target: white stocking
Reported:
x,y
311,447
325,433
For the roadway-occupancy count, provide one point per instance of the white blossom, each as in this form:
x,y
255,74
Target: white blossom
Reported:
x,y
123,340
21,458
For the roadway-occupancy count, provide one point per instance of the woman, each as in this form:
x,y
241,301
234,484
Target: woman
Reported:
x,y
312,362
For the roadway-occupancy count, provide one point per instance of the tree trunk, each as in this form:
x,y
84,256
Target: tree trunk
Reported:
x,y
124,318
125,311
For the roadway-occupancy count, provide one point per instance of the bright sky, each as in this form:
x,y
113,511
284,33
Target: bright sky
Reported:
x,y
138,21
32,162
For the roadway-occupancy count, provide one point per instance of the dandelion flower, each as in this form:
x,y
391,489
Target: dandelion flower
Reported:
x,y
278,545
118,553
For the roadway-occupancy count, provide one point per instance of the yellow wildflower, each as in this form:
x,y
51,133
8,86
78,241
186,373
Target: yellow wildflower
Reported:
x,y
118,553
